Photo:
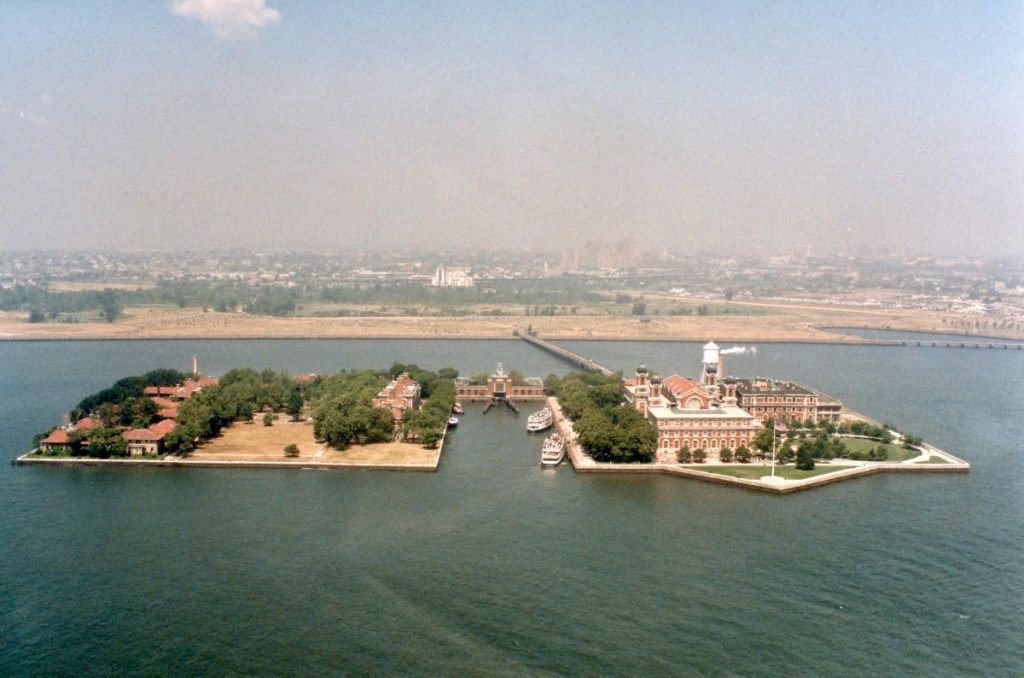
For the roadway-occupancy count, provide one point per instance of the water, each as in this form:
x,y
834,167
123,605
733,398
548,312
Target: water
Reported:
x,y
494,566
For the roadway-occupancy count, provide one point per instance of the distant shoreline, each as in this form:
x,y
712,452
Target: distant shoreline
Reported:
x,y
789,325
435,337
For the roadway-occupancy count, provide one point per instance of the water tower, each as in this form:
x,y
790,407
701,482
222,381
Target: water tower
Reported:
x,y
712,371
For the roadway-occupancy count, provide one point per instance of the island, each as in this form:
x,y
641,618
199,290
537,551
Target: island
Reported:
x,y
759,433
394,419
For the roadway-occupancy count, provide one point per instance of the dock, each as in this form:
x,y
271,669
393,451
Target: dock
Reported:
x,y
960,344
574,359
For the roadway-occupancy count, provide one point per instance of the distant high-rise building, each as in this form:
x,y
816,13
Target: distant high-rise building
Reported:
x,y
571,259
628,252
597,254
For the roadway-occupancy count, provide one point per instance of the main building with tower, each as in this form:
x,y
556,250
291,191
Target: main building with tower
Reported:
x,y
718,412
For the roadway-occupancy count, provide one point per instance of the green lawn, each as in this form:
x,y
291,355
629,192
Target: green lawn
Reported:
x,y
935,460
756,471
896,453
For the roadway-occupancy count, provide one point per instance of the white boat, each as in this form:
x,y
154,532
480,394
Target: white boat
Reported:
x,y
453,422
553,451
457,408
540,420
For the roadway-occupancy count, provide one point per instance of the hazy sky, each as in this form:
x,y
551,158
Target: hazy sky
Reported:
x,y
326,125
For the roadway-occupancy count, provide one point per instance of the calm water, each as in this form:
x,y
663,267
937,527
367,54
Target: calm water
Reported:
x,y
495,567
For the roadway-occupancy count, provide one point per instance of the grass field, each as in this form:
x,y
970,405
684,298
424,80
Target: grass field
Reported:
x,y
758,471
256,442
739,321
896,453
935,460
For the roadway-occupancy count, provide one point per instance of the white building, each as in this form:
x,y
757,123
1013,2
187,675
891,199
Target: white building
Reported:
x,y
451,277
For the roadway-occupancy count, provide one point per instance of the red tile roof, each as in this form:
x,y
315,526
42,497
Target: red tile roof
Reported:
x,y
159,390
154,433
56,437
680,387
184,390
163,427
86,423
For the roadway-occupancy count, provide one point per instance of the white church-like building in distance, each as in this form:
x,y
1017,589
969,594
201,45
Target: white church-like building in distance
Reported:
x,y
709,414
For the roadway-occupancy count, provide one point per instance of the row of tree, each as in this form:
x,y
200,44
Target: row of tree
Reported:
x,y
343,412
341,403
607,428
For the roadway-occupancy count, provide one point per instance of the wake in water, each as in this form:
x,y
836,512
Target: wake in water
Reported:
x,y
739,350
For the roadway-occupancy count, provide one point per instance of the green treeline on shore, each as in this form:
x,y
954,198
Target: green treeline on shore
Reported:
x,y
608,429
340,406
547,297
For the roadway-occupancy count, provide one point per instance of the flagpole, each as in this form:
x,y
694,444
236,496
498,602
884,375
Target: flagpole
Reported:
x,y
773,449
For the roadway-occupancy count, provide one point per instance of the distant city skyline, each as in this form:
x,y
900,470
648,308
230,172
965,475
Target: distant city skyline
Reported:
x,y
279,125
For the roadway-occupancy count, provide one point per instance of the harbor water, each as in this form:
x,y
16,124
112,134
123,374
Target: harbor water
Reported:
x,y
495,566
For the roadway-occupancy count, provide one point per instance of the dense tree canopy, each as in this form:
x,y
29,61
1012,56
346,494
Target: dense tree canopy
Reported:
x,y
608,430
341,403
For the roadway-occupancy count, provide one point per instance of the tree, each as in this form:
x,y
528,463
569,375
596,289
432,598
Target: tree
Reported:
x,y
804,458
106,442
911,442
431,438
291,450
729,293
699,455
36,315
109,414
743,454
725,455
685,455
639,308
268,419
765,437
294,407
110,305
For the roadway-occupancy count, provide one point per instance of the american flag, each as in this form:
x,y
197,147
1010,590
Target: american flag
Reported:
x,y
780,427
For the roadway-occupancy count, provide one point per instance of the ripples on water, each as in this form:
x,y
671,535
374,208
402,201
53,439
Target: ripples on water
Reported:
x,y
495,566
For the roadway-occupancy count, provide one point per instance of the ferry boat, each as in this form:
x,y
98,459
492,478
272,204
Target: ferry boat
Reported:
x,y
457,408
553,451
540,420
453,422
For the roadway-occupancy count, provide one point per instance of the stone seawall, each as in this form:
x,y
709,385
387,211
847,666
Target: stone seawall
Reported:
x,y
28,459
584,464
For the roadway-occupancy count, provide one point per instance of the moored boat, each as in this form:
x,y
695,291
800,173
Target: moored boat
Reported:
x,y
540,420
553,450
457,408
453,422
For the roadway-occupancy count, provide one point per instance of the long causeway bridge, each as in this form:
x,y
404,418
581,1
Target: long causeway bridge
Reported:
x,y
568,356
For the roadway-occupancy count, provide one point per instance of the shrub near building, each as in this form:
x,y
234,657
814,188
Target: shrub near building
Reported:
x,y
608,429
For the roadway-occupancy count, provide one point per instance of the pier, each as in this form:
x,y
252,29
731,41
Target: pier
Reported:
x,y
568,356
960,344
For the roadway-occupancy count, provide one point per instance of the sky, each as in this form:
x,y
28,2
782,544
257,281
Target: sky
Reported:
x,y
327,126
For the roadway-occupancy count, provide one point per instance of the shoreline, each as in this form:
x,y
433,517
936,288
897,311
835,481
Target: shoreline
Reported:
x,y
840,341
28,459
581,463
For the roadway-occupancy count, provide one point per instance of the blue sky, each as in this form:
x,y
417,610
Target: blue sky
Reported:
x,y
327,125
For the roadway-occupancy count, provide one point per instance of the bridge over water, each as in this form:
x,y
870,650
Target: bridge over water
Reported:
x,y
568,356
